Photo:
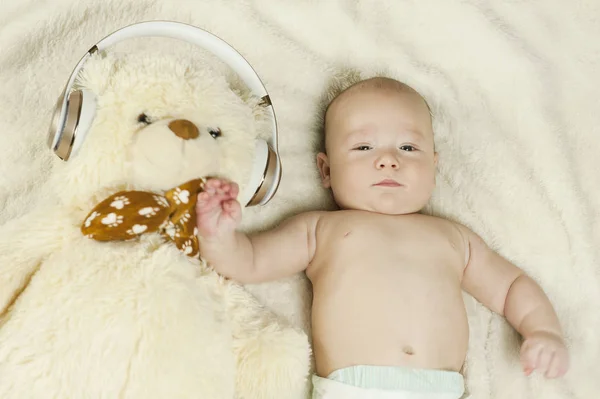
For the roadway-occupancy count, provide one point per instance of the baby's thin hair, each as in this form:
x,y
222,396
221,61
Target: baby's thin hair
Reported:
x,y
351,79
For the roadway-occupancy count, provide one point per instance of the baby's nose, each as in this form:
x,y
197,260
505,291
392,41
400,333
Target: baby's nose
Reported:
x,y
387,162
184,129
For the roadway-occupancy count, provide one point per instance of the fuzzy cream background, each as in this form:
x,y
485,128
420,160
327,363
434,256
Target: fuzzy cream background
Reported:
x,y
515,88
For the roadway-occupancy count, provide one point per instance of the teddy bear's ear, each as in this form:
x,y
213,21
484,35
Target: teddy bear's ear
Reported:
x,y
237,85
96,74
260,113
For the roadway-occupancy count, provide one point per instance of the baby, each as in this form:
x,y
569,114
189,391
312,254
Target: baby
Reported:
x,y
388,317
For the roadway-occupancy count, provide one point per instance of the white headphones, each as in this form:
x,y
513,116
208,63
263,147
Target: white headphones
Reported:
x,y
75,110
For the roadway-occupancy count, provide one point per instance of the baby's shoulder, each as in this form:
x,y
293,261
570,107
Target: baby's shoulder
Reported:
x,y
435,222
308,219
454,231
441,222
322,221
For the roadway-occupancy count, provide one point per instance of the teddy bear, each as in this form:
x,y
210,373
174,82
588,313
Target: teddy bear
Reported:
x,y
88,316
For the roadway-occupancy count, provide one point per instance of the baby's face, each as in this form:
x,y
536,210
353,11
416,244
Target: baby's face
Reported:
x,y
380,151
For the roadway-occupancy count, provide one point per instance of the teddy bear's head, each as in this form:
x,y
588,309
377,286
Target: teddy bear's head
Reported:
x,y
160,121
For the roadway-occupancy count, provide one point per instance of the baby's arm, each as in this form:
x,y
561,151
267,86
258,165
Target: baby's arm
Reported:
x,y
508,291
277,253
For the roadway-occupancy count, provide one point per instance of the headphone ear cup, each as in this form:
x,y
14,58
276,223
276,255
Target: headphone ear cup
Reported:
x,y
85,120
272,177
265,177
56,125
256,179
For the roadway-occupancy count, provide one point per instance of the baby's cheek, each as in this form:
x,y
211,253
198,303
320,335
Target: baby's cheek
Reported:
x,y
345,191
424,176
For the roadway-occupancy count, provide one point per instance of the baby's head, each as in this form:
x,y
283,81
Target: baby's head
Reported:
x,y
379,152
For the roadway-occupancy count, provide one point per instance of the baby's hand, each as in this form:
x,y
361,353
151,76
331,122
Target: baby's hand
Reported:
x,y
546,353
217,209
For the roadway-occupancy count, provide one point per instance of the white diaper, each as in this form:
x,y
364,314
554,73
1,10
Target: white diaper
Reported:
x,y
382,382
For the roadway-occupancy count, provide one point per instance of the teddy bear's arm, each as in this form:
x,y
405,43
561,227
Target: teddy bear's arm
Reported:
x,y
24,243
273,358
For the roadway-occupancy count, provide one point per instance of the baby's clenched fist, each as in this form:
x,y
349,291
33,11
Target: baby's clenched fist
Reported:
x,y
546,353
217,209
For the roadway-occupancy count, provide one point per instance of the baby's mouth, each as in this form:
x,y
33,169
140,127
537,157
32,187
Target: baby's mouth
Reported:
x,y
388,183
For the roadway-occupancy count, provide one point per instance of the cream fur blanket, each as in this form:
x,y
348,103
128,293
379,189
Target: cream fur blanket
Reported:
x,y
514,87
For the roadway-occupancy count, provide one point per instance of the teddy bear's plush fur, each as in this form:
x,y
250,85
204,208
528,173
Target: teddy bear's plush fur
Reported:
x,y
138,319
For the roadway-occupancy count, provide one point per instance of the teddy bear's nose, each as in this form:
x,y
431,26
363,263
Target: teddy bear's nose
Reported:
x,y
184,129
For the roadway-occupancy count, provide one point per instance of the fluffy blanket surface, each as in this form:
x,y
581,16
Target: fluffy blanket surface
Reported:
x,y
514,88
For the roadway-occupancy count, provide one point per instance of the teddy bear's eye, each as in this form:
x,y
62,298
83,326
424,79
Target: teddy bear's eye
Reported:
x,y
215,132
143,118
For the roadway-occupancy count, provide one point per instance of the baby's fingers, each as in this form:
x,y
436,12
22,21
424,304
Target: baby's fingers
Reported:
x,y
214,182
545,358
206,202
559,364
553,367
234,190
232,208
211,185
216,186
221,187
530,353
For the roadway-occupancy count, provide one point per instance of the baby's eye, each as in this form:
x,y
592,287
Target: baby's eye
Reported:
x,y
215,133
143,118
363,148
408,148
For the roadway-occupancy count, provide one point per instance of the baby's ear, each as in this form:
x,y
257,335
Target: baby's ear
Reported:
x,y
323,166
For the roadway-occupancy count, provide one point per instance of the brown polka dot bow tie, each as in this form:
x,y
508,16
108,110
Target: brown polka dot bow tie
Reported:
x,y
128,214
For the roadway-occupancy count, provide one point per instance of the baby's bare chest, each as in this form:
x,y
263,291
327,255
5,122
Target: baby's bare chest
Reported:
x,y
378,237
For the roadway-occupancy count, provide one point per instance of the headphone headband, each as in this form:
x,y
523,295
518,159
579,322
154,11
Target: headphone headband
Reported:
x,y
221,49
189,34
